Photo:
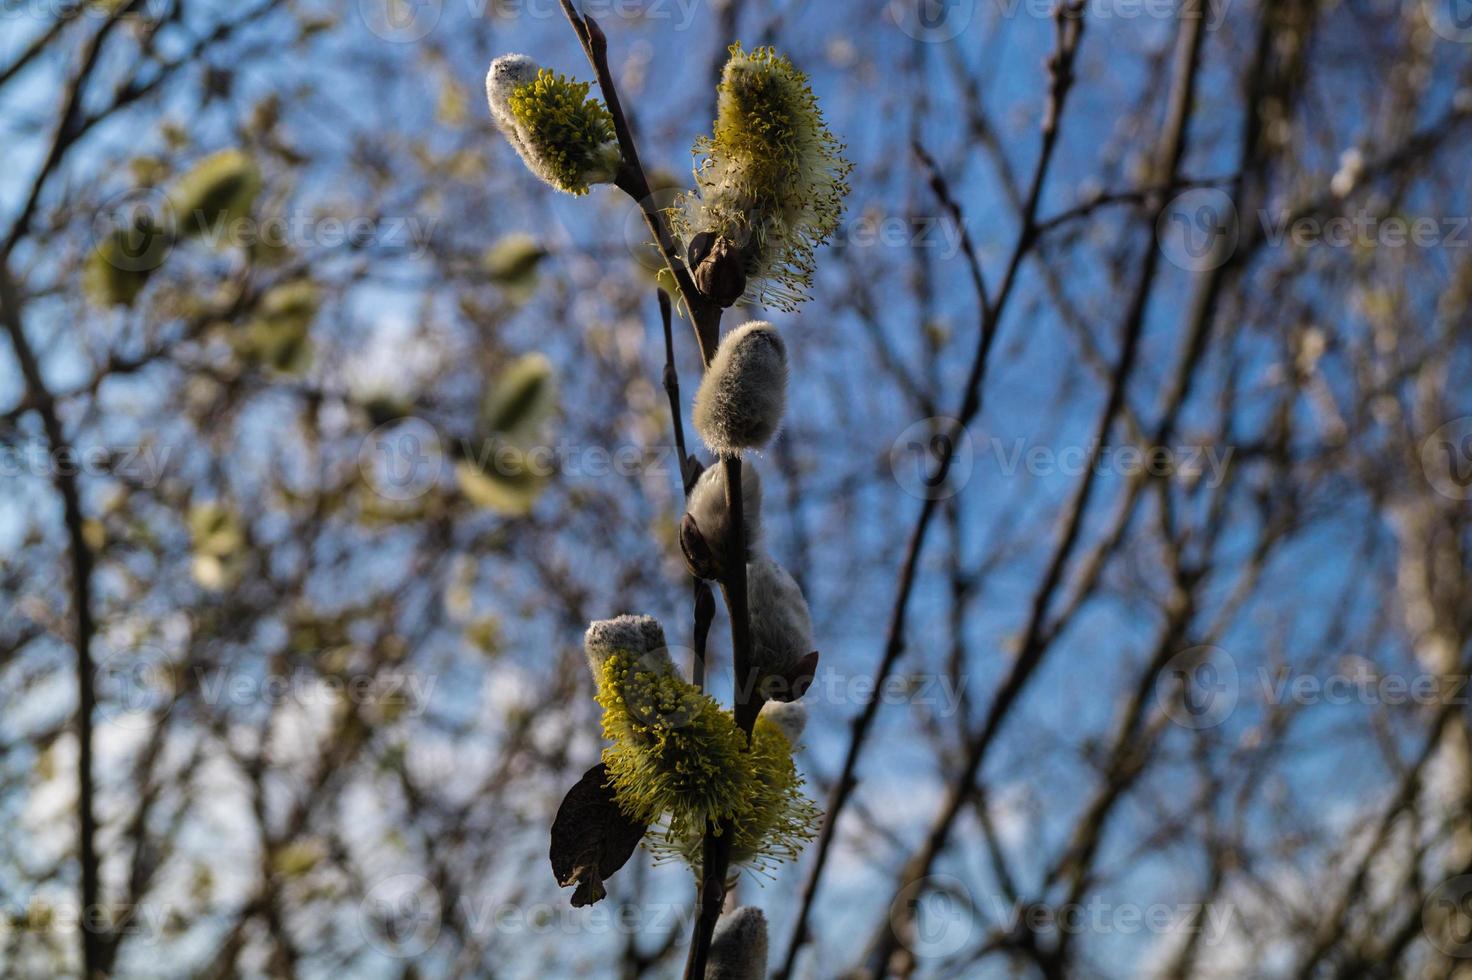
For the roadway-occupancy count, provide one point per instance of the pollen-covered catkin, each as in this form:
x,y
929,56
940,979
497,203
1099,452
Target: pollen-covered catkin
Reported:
x,y
781,627
705,532
744,392
738,948
562,135
675,751
770,179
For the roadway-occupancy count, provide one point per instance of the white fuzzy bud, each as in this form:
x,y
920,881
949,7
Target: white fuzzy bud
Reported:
x,y
738,948
705,533
781,628
640,635
790,717
508,73
744,392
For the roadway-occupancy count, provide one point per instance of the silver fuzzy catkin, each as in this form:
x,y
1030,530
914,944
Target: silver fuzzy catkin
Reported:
x,y
705,532
744,393
790,717
738,948
640,635
508,73
781,628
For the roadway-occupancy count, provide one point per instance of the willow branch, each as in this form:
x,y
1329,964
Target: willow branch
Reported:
x,y
64,478
705,317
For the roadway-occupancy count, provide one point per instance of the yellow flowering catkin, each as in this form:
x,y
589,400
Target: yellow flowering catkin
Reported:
x,y
679,757
774,819
563,136
770,178
675,751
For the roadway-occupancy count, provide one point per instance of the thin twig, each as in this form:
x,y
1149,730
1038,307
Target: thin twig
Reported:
x,y
705,608
990,318
1033,646
631,179
39,396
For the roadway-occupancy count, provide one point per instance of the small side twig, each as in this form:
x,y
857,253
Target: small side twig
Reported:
x,y
631,179
705,603
672,390
94,941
